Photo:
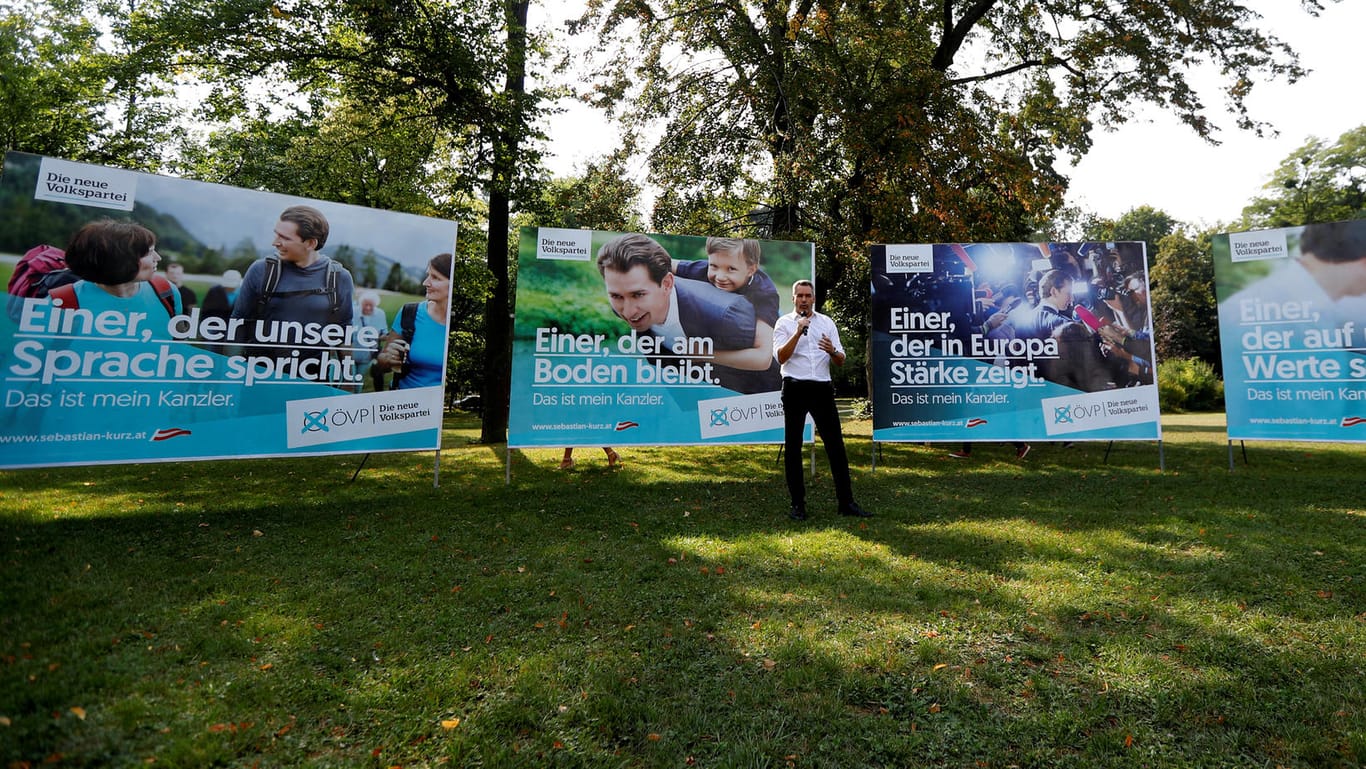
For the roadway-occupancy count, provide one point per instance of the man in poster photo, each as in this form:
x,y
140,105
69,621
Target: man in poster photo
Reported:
x,y
1329,276
302,285
642,289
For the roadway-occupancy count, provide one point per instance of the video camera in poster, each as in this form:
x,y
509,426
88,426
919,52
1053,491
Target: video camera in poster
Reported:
x,y
634,339
156,319
1012,342
1292,327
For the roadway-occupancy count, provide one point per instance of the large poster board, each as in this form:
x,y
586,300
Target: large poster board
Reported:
x,y
1012,341
1292,327
124,377
668,343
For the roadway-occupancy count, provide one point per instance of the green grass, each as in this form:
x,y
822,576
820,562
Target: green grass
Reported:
x,y
1060,612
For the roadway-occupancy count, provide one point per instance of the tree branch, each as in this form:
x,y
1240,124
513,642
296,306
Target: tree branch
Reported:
x,y
955,34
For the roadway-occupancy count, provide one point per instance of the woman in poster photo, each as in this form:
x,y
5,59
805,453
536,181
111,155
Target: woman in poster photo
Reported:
x,y
420,361
116,262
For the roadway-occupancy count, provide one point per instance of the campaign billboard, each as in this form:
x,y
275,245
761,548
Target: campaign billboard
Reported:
x,y
1292,328
1012,341
153,319
636,339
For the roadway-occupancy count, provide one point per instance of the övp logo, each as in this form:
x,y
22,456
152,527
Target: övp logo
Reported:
x,y
324,420
1076,412
315,421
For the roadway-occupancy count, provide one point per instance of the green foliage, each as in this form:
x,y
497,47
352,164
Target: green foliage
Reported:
x,y
600,197
1187,384
848,123
51,80
471,283
668,614
1144,223
1316,183
1184,307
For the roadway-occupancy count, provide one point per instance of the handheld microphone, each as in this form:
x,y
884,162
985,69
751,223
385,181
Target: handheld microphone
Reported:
x,y
807,327
1090,319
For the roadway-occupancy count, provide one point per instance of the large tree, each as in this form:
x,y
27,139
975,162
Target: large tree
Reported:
x,y
415,105
855,122
1319,182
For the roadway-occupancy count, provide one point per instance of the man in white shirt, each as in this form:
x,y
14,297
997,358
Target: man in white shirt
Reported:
x,y
806,343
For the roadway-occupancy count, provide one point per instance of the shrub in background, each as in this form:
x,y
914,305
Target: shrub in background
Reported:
x,y
1189,384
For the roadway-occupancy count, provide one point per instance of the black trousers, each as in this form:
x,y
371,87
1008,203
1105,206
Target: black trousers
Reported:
x,y
802,397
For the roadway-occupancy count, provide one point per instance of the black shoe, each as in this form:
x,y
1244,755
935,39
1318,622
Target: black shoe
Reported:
x,y
798,512
852,508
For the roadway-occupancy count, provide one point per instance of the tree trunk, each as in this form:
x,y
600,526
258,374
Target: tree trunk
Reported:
x,y
498,308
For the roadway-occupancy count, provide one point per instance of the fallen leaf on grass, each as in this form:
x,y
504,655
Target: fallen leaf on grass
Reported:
x,y
652,737
450,723
1128,740
935,708
78,712
769,664
941,666
4,721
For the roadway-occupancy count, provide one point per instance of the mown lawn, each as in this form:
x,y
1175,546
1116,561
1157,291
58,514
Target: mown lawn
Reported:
x,y
1065,611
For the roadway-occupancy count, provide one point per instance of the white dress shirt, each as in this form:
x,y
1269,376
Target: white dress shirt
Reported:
x,y
808,361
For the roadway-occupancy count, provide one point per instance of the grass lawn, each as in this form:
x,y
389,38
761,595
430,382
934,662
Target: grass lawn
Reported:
x,y
1061,611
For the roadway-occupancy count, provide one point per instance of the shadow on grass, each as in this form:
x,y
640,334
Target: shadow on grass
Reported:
x,y
1039,613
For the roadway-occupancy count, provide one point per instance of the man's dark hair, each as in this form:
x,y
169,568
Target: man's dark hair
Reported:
x,y
1336,242
1052,281
311,223
1064,260
624,252
107,251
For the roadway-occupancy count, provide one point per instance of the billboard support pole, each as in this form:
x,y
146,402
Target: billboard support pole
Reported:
x,y
363,460
507,466
1161,456
436,471
1242,444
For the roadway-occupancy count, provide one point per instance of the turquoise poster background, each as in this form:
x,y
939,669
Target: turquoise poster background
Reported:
x,y
87,387
582,376
1012,342
1292,306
